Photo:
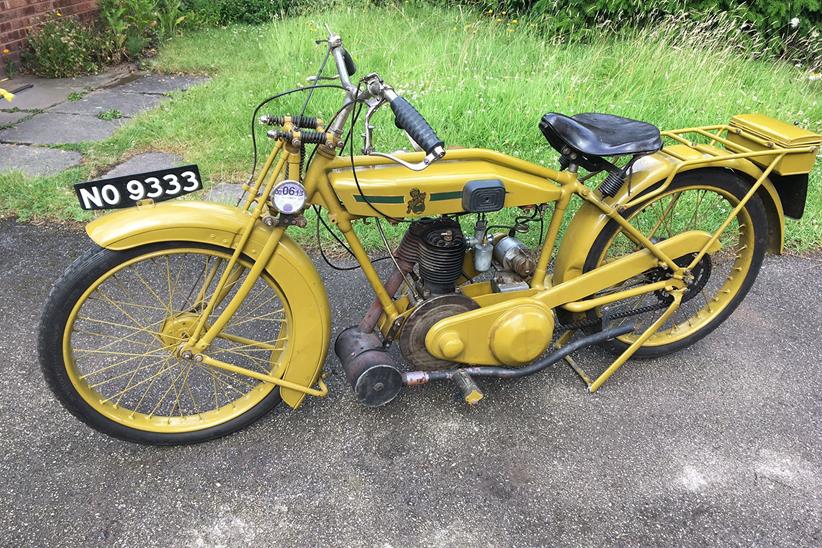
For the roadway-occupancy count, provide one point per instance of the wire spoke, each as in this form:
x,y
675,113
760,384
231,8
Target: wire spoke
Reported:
x,y
112,366
121,375
248,313
191,396
178,393
263,317
266,364
128,303
131,378
170,291
124,326
113,353
220,376
256,344
115,305
128,389
132,298
163,398
669,210
117,338
142,280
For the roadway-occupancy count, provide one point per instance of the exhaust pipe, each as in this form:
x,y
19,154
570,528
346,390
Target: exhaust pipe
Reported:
x,y
412,378
370,370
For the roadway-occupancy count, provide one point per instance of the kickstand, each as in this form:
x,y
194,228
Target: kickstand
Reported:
x,y
562,341
595,385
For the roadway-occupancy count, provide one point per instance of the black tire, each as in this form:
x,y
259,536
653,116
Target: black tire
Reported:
x,y
93,264
721,179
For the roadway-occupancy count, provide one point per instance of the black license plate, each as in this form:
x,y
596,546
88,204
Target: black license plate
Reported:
x,y
120,192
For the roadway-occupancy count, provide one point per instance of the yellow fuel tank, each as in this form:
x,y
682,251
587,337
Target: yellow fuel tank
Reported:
x,y
400,192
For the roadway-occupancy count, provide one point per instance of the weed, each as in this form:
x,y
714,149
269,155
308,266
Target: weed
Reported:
x,y
109,115
61,47
76,95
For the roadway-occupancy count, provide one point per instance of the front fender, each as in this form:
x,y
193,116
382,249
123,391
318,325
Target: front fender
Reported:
x,y
648,171
221,225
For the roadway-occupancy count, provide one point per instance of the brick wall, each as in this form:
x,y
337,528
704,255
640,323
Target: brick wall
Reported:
x,y
17,17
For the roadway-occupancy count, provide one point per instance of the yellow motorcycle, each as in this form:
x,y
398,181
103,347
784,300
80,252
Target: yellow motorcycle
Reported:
x,y
189,320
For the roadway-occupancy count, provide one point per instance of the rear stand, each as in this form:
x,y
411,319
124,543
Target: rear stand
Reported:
x,y
594,385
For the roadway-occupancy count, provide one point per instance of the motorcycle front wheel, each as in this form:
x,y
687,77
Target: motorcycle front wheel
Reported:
x,y
112,326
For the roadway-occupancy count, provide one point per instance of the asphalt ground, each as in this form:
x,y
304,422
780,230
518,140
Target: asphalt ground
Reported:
x,y
718,445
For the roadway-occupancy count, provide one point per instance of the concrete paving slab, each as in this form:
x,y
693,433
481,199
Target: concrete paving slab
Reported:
x,y
161,83
48,92
34,161
51,128
225,193
11,118
150,161
96,102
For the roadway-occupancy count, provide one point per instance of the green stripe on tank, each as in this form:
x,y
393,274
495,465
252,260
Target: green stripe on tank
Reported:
x,y
379,199
439,196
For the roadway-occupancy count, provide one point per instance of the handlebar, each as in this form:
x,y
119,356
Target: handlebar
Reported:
x,y
406,117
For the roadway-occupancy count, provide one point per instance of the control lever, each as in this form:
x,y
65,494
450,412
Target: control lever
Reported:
x,y
368,147
314,79
429,159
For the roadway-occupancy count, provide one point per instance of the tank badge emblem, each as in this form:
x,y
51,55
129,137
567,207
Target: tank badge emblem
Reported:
x,y
417,202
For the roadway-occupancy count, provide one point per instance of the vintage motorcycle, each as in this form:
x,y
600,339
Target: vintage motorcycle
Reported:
x,y
189,320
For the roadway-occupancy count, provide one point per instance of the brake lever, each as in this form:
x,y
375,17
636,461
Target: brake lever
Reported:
x,y
429,159
368,146
314,79
373,105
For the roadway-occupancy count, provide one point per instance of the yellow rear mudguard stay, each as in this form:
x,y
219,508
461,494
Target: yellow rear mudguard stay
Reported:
x,y
589,221
220,225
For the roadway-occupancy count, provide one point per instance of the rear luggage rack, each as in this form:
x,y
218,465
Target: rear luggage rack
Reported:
x,y
774,146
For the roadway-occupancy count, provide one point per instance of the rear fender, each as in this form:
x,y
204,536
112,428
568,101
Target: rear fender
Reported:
x,y
221,225
589,220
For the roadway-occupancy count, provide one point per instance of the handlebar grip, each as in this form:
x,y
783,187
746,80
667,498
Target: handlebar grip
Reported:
x,y
350,66
407,118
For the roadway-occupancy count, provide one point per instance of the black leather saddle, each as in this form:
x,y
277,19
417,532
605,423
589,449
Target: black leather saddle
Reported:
x,y
598,135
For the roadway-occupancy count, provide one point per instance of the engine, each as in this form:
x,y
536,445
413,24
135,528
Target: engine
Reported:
x,y
438,247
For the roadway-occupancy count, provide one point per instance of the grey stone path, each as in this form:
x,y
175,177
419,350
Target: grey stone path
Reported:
x,y
34,161
65,111
226,193
150,161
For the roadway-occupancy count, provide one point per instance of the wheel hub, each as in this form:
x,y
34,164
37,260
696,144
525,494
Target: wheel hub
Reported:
x,y
178,329
695,279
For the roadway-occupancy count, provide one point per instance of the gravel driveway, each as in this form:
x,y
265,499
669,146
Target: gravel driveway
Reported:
x,y
718,445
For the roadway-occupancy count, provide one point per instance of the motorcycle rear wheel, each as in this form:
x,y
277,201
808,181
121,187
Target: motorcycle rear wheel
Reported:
x,y
695,200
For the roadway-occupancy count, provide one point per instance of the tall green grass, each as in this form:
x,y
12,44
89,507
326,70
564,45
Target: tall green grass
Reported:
x,y
480,81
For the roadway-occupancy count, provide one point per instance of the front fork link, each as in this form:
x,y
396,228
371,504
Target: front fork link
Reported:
x,y
203,335
595,384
